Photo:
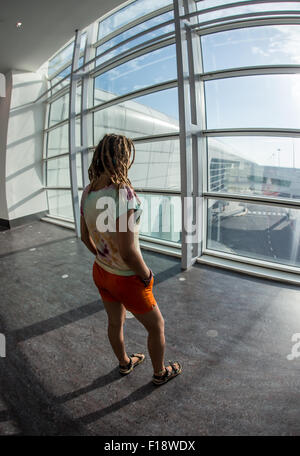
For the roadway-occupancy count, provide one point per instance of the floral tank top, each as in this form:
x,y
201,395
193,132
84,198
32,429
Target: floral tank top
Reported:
x,y
100,209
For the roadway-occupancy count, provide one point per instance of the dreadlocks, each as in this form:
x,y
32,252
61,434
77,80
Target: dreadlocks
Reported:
x,y
111,158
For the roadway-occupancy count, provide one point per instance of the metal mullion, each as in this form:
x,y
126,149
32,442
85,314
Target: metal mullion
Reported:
x,y
144,237
199,142
86,81
281,132
249,71
157,191
254,199
56,156
72,133
135,94
224,24
133,24
155,138
130,55
185,68
230,5
248,260
51,187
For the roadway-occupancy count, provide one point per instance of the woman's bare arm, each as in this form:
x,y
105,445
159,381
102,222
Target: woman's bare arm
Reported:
x,y
85,236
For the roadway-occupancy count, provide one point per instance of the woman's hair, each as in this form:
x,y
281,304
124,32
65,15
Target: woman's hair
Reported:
x,y
111,158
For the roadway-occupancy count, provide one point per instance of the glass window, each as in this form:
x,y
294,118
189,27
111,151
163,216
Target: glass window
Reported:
x,y
149,69
156,165
128,14
58,141
263,232
152,114
64,56
225,13
59,110
59,78
265,101
263,166
161,217
60,203
133,31
268,45
60,59
58,172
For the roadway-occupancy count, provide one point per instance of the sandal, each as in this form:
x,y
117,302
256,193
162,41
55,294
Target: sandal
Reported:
x,y
125,370
160,379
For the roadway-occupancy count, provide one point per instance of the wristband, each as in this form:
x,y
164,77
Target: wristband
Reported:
x,y
146,282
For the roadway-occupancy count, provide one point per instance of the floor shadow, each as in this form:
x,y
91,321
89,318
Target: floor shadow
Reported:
x,y
137,395
42,327
30,405
16,252
100,382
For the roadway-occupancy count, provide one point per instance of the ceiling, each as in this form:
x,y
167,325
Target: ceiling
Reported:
x,y
47,26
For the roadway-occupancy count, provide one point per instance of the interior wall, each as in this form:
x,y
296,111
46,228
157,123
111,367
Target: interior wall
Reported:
x,y
4,115
24,175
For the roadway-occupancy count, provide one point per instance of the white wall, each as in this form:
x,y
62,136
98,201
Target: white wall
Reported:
x,y
4,114
24,192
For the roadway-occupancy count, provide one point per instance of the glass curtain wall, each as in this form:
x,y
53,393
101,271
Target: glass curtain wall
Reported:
x,y
132,90
251,66
250,89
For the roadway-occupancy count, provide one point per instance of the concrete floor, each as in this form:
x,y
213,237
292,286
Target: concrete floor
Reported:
x,y
231,332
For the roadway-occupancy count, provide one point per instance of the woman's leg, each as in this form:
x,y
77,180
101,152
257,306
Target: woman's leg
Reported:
x,y
154,324
116,317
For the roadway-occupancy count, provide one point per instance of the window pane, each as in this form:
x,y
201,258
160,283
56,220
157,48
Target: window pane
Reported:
x,y
128,14
59,78
152,114
161,217
58,141
224,13
60,59
149,69
270,45
133,31
64,56
60,203
266,101
58,172
59,110
262,166
156,165
263,232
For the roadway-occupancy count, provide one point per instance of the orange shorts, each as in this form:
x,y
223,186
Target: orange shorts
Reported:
x,y
129,290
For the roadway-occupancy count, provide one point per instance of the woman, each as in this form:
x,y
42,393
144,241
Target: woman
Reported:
x,y
119,272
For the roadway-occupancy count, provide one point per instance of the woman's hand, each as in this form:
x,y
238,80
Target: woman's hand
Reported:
x,y
146,281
